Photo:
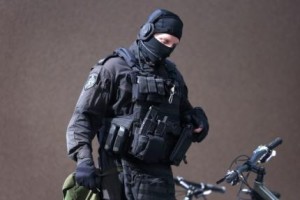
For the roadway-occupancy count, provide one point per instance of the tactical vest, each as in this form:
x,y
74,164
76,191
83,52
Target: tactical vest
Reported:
x,y
152,131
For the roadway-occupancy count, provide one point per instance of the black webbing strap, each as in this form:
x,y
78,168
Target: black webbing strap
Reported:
x,y
127,56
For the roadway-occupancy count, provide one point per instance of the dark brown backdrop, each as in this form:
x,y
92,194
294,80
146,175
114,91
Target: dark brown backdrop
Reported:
x,y
240,60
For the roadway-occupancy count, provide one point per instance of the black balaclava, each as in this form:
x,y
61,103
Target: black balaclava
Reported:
x,y
163,21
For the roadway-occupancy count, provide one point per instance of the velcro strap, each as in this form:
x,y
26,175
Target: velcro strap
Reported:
x,y
142,83
151,85
160,86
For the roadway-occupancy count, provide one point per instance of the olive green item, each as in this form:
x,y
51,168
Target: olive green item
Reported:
x,y
73,191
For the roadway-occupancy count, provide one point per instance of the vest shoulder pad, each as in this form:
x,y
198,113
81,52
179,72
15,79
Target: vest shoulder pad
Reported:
x,y
122,53
103,60
127,55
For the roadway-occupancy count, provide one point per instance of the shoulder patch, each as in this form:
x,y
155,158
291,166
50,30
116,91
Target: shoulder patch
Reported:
x,y
92,79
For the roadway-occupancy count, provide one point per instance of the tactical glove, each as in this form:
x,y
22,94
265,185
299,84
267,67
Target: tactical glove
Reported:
x,y
198,118
86,174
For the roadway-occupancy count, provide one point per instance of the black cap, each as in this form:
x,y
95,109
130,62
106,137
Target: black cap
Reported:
x,y
166,22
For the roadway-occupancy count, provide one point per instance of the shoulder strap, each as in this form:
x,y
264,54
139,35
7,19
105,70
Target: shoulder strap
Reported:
x,y
127,56
122,53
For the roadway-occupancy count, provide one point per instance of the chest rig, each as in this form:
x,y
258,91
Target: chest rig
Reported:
x,y
151,132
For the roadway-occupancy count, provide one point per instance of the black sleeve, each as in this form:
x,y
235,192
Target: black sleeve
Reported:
x,y
185,105
194,115
90,109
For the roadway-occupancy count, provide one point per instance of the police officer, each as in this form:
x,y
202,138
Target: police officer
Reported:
x,y
136,102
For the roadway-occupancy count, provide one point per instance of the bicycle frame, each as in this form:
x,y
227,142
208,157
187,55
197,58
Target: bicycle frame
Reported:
x,y
263,192
260,191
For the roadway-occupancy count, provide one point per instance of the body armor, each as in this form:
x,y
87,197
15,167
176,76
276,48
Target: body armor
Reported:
x,y
153,129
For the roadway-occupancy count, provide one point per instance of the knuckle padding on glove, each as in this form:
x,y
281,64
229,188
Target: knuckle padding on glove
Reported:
x,y
86,174
198,118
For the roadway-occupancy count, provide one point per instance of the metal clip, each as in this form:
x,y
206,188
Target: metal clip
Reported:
x,y
172,92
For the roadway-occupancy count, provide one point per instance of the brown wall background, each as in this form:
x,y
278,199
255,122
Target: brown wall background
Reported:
x,y
240,60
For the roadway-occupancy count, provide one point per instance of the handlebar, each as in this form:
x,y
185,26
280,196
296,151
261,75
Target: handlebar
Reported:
x,y
272,145
260,155
197,189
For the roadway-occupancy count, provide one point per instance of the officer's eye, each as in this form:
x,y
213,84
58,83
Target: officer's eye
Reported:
x,y
167,40
168,43
174,45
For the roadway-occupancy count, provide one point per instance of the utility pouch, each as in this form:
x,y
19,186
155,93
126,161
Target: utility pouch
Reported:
x,y
111,137
150,122
148,148
148,141
148,88
118,135
161,127
160,86
183,144
142,88
120,140
151,84
153,94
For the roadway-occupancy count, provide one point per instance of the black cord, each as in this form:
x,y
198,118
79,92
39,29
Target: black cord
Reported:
x,y
244,182
238,159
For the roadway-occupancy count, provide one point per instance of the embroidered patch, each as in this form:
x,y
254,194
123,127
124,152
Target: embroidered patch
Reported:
x,y
91,81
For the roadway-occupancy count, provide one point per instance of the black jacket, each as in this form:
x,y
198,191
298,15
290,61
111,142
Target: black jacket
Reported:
x,y
108,93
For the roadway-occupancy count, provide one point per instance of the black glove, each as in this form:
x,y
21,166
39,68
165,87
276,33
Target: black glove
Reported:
x,y
198,118
86,175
